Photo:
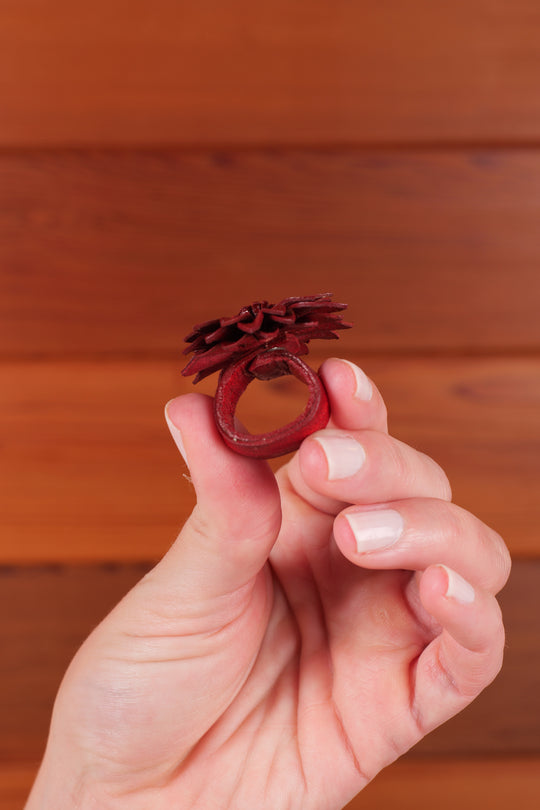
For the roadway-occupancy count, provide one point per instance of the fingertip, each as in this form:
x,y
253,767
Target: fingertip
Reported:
x,y
342,375
226,483
354,399
190,420
175,431
312,458
178,408
471,617
307,473
432,586
441,582
469,649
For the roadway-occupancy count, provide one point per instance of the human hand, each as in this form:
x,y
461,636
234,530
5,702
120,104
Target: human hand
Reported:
x,y
266,661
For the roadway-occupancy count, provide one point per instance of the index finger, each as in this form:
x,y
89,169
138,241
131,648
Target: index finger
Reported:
x,y
355,401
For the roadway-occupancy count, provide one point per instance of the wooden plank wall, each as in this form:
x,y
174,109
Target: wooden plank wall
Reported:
x,y
165,162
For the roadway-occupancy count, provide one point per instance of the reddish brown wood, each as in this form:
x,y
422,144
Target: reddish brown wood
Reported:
x,y
108,254
89,471
497,783
303,72
112,252
16,780
45,615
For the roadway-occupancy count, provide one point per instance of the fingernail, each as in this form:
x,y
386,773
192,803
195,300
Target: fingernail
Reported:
x,y
458,588
175,432
375,530
344,455
364,389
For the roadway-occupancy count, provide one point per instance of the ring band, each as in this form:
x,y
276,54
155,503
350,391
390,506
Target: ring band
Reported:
x,y
269,365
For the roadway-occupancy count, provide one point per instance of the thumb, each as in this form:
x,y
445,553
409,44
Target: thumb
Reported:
x,y
228,537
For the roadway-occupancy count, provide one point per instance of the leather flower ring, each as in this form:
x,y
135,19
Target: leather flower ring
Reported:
x,y
265,341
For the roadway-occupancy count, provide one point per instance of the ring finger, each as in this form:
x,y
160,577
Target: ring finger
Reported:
x,y
414,534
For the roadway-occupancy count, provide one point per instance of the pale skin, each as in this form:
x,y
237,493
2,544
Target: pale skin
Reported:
x,y
266,661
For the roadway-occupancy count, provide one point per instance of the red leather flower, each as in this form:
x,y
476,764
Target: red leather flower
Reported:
x,y
264,341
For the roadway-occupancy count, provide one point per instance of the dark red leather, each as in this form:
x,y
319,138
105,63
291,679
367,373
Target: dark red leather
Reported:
x,y
264,341
268,365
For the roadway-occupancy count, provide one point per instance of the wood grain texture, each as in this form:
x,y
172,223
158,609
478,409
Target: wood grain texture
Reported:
x,y
122,252
412,785
446,784
89,471
16,779
385,151
47,612
307,71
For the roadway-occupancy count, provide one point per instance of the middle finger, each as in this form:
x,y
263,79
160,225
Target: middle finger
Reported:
x,y
334,467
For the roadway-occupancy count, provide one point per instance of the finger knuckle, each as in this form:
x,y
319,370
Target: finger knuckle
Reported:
x,y
439,479
419,472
